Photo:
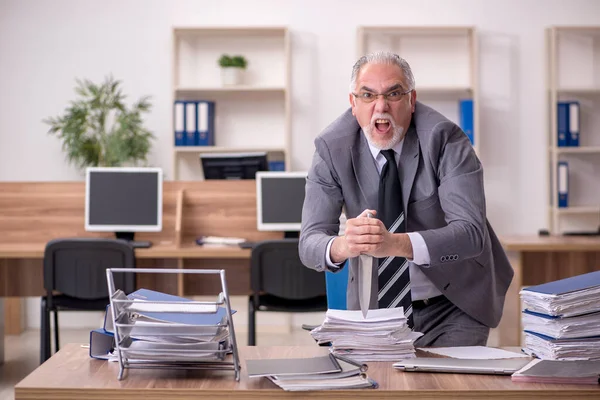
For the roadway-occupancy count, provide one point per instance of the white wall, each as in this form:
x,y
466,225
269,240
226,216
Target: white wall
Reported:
x,y
45,45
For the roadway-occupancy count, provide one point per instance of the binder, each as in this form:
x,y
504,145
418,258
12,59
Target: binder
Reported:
x,y
278,165
466,118
562,116
563,184
178,122
567,285
191,121
573,138
206,124
102,344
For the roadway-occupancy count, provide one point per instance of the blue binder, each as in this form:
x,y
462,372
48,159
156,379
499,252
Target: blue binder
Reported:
x,y
277,165
568,285
101,344
191,122
574,114
562,115
175,317
562,182
205,136
179,122
466,118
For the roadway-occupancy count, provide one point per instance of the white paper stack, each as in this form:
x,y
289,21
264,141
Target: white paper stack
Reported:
x,y
561,319
383,336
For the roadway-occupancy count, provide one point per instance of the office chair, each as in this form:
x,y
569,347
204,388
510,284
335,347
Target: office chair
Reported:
x,y
280,282
75,279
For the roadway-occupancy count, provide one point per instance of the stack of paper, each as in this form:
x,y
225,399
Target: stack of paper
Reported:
x,y
382,336
562,318
563,372
314,373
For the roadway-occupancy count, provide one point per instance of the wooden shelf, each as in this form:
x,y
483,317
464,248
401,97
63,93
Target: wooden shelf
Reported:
x,y
219,149
579,91
230,89
576,150
250,117
578,210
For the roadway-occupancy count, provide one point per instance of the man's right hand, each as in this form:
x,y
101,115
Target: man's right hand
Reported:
x,y
363,235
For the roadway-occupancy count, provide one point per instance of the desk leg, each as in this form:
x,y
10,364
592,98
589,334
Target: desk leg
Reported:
x,y
1,330
509,329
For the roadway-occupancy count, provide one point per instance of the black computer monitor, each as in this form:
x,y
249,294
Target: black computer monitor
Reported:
x,y
279,200
123,200
233,165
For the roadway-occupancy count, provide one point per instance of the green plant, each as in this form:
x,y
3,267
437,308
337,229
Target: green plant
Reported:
x,y
233,61
98,129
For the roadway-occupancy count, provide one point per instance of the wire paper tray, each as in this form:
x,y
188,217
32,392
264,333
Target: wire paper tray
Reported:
x,y
203,338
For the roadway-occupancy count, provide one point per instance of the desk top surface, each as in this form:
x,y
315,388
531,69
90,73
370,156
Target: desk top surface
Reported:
x,y
550,243
158,250
72,374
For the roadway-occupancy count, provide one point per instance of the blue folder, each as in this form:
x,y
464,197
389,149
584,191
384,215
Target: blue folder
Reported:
x,y
568,285
175,317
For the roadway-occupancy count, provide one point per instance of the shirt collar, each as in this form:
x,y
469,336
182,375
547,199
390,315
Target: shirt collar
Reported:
x,y
375,152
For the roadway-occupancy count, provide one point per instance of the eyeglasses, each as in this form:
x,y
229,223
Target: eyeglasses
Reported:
x,y
393,96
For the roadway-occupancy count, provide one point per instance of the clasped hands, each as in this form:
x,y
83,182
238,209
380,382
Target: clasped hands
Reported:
x,y
364,235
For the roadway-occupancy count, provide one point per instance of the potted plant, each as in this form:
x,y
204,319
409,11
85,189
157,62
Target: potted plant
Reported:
x,y
232,69
98,129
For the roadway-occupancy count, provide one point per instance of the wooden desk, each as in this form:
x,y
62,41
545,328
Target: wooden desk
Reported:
x,y
33,213
71,374
541,259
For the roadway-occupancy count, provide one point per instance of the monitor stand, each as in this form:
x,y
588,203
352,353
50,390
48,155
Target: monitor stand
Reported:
x,y
136,244
291,234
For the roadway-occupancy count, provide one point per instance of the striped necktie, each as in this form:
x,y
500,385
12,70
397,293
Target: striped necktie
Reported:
x,y
394,277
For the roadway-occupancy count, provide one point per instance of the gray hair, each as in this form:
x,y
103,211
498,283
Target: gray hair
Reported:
x,y
383,57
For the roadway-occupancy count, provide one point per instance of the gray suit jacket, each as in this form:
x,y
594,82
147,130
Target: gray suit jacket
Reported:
x,y
443,195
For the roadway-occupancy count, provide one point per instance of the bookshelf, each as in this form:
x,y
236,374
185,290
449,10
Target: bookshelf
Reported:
x,y
250,117
573,75
426,49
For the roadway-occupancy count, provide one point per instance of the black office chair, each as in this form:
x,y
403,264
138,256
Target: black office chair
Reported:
x,y
76,270
280,282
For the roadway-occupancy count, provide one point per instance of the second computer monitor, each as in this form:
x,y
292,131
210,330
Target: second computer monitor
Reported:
x,y
123,200
279,200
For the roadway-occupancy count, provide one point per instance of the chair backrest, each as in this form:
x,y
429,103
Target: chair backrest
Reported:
x,y
276,269
77,267
337,286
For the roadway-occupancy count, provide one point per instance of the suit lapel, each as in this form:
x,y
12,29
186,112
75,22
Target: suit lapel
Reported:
x,y
409,161
365,171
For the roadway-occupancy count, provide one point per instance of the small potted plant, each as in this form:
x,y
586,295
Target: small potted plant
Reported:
x,y
232,69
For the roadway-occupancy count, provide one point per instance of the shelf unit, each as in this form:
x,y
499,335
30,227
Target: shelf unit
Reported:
x,y
425,49
573,74
253,116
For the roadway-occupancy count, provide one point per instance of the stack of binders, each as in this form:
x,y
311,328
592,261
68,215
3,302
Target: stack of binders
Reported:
x,y
194,123
181,330
561,319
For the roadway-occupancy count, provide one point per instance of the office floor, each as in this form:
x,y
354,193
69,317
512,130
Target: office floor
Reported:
x,y
22,351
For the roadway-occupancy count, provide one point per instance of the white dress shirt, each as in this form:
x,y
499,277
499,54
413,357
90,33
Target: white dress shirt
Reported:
x,y
421,287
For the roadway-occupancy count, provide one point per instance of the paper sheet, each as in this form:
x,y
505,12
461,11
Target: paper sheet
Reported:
x,y
473,352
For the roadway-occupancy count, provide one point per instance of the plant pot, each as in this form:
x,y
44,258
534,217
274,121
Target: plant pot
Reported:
x,y
232,76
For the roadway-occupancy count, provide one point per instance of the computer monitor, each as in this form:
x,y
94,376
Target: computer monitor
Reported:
x,y
123,200
279,200
233,165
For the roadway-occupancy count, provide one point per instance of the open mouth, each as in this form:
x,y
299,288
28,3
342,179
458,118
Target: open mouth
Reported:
x,y
382,125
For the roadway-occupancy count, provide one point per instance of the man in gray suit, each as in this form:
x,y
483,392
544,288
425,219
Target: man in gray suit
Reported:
x,y
459,273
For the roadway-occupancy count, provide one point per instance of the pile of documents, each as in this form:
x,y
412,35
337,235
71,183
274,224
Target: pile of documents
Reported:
x,y
382,336
561,319
583,372
155,326
314,373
